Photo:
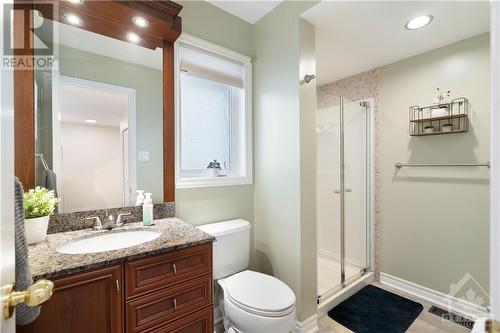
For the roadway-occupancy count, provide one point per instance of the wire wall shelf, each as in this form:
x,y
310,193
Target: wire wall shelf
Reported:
x,y
444,118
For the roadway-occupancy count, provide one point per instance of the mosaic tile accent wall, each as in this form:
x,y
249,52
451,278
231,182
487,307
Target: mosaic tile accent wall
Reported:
x,y
358,87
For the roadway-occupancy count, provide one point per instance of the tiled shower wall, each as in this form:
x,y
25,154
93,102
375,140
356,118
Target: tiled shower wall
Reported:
x,y
354,88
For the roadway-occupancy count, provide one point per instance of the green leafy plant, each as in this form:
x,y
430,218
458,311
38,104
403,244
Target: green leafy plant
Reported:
x,y
214,165
39,202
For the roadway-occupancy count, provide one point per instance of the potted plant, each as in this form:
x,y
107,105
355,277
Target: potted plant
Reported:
x,y
39,204
213,168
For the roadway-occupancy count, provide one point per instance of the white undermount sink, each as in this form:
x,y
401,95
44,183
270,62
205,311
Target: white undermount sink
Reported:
x,y
108,242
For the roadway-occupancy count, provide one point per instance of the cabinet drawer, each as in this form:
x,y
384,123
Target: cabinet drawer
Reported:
x,y
165,306
198,322
161,271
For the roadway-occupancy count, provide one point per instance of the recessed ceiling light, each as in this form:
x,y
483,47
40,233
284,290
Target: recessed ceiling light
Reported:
x,y
133,37
76,1
140,21
91,121
73,19
418,22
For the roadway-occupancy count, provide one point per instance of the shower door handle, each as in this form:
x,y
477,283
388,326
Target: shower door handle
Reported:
x,y
347,190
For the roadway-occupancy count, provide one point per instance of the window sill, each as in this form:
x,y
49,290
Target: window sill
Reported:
x,y
212,181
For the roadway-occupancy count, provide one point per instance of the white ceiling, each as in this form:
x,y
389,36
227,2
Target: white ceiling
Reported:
x,y
250,11
79,103
354,36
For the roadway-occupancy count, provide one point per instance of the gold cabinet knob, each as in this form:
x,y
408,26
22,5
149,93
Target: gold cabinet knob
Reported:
x,y
38,293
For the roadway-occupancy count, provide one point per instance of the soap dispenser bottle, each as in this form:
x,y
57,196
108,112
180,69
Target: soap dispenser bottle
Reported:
x,y
140,198
147,210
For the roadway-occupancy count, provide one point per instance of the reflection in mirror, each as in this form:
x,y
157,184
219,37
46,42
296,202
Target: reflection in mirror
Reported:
x,y
98,132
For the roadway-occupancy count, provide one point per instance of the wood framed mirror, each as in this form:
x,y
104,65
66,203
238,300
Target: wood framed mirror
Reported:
x,y
114,19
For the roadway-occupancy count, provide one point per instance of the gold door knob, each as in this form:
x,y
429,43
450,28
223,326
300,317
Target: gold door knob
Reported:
x,y
492,326
36,294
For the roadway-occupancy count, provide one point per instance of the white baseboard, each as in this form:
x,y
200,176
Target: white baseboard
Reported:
x,y
310,325
436,297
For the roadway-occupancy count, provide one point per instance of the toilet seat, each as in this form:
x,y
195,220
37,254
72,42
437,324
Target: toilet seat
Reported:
x,y
259,294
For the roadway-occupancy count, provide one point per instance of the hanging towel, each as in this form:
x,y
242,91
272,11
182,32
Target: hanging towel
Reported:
x,y
24,313
50,180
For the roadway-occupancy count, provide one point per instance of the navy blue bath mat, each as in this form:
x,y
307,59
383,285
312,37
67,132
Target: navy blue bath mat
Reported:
x,y
374,310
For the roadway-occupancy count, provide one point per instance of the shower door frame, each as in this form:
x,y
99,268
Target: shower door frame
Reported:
x,y
370,164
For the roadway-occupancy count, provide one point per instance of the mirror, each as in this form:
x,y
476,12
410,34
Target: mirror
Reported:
x,y
98,120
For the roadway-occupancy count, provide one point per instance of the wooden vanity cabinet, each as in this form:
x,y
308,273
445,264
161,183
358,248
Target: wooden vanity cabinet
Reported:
x,y
82,303
171,292
160,290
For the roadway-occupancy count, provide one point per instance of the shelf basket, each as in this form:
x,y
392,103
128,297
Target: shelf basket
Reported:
x,y
445,118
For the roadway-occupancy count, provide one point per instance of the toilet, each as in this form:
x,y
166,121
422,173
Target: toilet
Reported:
x,y
250,302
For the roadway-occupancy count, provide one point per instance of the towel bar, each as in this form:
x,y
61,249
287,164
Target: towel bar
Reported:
x,y
399,165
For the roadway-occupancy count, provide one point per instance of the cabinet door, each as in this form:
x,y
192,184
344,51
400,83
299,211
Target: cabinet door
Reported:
x,y
83,303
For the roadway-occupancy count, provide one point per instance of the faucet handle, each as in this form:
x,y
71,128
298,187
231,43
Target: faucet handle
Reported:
x,y
119,218
97,222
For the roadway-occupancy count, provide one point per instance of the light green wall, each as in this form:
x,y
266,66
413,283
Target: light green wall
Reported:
x,y
307,120
283,216
203,20
434,221
277,114
212,204
149,111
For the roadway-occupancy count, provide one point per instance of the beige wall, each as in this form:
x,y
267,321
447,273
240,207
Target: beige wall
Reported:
x,y
96,183
281,218
434,221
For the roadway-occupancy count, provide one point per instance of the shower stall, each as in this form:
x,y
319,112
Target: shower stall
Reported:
x,y
343,176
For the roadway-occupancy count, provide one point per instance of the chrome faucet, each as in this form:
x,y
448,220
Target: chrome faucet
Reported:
x,y
110,223
97,222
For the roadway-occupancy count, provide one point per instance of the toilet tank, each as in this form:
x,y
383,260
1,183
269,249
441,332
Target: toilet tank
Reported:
x,y
231,248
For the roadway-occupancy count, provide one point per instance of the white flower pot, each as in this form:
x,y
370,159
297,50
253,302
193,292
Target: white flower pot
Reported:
x,y
212,172
36,229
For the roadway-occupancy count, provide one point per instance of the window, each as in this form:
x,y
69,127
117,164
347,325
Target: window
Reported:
x,y
213,115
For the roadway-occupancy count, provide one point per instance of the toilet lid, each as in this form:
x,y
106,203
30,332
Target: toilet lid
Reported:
x,y
260,293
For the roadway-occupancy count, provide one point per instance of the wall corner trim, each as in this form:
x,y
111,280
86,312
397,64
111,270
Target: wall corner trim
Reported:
x,y
438,298
310,325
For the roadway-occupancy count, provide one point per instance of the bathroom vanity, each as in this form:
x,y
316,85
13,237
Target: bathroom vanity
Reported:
x,y
163,285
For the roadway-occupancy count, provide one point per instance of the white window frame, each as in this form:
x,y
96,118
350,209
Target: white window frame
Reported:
x,y
247,86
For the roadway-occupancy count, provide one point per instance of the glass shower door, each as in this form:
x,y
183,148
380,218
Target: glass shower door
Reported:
x,y
327,201
356,188
343,194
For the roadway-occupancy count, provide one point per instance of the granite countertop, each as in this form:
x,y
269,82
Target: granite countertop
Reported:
x,y
46,262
